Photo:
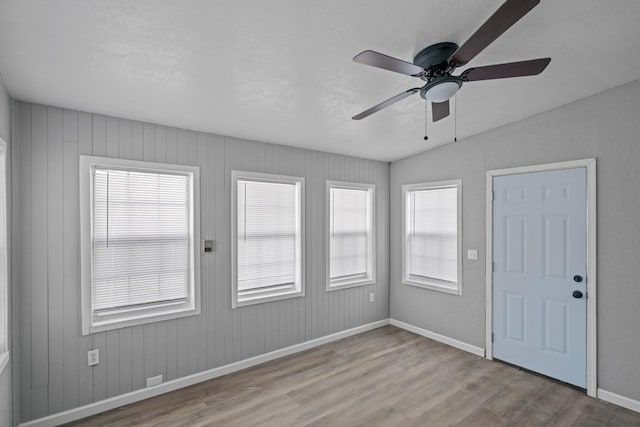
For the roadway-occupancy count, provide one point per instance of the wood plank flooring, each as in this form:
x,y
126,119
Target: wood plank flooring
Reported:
x,y
385,377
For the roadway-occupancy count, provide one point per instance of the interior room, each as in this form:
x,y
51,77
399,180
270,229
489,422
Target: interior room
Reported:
x,y
298,213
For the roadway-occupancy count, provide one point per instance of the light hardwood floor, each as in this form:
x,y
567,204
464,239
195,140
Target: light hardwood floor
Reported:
x,y
385,377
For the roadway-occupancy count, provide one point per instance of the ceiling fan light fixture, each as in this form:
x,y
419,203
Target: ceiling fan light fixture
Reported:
x,y
441,90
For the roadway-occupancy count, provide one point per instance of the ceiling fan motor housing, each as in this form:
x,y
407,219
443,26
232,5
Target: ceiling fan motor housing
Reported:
x,y
435,54
441,85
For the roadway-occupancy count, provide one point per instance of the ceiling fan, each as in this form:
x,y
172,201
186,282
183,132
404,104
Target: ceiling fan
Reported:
x,y
436,63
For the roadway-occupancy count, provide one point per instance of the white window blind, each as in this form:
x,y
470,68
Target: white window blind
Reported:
x,y
139,242
350,234
268,238
431,235
141,238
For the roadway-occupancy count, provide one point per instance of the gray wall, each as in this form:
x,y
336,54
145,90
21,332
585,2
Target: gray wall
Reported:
x,y
605,126
5,377
53,372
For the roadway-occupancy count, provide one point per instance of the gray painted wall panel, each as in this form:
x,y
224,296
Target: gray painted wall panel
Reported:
x,y
54,372
604,126
10,373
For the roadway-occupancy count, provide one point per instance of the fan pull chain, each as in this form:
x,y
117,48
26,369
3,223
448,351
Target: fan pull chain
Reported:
x,y
426,120
455,118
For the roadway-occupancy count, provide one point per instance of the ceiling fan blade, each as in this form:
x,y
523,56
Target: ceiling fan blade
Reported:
x,y
375,59
503,71
440,110
507,15
385,104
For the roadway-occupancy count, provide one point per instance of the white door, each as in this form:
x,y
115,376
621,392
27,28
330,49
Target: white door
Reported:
x,y
539,283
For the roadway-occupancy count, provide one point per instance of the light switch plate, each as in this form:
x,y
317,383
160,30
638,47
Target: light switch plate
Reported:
x,y
472,254
93,357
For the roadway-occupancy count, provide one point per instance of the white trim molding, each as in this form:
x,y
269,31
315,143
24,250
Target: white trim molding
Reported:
x,y
4,361
434,284
146,393
369,278
280,291
478,351
590,165
131,315
619,400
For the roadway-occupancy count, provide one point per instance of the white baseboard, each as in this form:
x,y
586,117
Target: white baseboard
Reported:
x,y
616,399
145,393
437,337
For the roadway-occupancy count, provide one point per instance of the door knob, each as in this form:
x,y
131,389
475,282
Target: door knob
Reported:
x,y
577,278
577,294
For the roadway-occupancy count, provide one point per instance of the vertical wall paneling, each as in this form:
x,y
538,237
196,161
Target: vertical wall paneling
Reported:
x,y
233,153
207,221
23,235
125,363
124,139
54,238
71,254
221,254
149,349
112,359
309,248
137,144
100,370
38,264
198,158
53,370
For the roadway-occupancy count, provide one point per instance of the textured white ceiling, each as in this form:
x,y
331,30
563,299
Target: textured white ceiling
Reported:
x,y
281,70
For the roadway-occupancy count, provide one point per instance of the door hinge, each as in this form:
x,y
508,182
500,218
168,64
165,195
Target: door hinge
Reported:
x,y
493,196
491,336
493,266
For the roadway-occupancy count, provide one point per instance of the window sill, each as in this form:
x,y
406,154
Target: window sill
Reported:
x,y
347,285
132,319
4,361
433,287
270,298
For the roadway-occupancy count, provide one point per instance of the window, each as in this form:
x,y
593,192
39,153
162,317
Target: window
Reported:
x,y
351,238
4,282
432,230
267,237
140,236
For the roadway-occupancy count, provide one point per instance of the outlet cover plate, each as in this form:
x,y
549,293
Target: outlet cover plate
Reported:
x,y
151,381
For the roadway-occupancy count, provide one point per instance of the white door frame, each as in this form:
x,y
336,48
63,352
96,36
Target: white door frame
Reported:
x,y
590,165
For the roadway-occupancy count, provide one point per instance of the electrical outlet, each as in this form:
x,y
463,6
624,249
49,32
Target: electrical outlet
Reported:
x,y
372,297
472,254
151,381
93,357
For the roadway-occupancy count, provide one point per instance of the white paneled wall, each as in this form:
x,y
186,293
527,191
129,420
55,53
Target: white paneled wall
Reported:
x,y
53,354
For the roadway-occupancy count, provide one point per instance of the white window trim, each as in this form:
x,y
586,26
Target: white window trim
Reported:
x,y
265,177
4,289
432,284
371,279
134,317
